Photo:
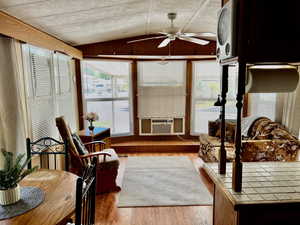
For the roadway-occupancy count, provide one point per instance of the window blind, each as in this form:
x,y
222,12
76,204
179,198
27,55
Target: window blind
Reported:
x,y
65,87
41,101
50,90
161,89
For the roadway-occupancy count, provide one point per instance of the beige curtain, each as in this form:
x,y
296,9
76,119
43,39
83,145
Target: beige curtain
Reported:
x,y
13,115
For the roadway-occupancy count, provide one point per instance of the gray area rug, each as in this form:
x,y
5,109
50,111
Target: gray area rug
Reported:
x,y
162,181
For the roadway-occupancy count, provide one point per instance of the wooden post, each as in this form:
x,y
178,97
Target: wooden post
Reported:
x,y
224,90
237,166
79,93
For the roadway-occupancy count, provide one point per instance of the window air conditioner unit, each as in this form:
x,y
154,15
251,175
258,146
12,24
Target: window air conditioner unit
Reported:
x,y
161,126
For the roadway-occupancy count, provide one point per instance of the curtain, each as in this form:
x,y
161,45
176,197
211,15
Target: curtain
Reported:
x,y
13,119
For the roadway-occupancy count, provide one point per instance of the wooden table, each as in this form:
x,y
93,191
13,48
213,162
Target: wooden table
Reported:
x,y
60,191
270,194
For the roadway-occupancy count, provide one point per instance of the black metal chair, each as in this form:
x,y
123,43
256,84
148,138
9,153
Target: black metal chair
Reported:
x,y
86,196
48,149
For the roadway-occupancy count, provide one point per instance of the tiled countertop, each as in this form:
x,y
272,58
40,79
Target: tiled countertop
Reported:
x,y
263,182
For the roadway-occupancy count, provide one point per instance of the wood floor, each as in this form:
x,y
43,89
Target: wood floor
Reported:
x,y
107,212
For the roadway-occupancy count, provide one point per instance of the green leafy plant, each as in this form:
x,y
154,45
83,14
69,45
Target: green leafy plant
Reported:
x,y
14,170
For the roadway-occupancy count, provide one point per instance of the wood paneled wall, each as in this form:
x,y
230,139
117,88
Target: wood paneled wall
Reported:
x,y
149,47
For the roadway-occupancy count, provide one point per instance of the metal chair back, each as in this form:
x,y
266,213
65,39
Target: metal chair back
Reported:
x,y
48,149
85,196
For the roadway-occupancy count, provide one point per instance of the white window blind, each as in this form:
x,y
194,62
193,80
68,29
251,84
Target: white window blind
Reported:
x,y
50,90
65,89
41,102
161,89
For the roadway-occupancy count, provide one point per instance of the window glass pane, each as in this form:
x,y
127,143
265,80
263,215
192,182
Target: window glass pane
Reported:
x,y
263,104
102,77
104,110
206,88
121,116
156,73
204,112
107,90
206,79
122,87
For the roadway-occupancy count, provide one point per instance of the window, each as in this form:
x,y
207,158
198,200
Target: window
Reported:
x,y
107,91
205,90
161,89
50,90
263,104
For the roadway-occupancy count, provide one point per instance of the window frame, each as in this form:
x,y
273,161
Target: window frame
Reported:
x,y
112,99
195,98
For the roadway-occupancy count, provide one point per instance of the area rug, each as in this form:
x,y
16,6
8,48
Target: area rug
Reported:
x,y
162,181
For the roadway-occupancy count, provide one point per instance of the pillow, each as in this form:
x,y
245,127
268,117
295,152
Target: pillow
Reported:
x,y
79,145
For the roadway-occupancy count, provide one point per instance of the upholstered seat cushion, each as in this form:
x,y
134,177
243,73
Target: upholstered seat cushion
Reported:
x,y
109,162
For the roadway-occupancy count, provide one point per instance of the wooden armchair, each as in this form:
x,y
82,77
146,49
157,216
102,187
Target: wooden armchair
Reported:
x,y
80,158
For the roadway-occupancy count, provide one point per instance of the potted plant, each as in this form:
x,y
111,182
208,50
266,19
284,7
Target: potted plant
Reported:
x,y
91,117
10,176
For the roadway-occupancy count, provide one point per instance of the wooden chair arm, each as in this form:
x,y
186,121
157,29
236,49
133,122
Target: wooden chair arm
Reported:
x,y
90,155
95,142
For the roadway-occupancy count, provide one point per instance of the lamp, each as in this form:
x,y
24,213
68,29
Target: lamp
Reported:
x,y
218,102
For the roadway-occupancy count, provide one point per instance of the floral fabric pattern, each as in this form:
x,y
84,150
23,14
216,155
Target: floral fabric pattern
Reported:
x,y
266,141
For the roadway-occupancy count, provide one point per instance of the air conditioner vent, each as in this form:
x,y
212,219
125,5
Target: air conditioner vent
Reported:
x,y
161,126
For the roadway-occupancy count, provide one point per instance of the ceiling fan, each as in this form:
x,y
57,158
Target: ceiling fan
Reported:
x,y
174,32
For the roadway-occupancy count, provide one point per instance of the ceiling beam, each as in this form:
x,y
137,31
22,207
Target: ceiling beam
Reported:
x,y
149,47
15,28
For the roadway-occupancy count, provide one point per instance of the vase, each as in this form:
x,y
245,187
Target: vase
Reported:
x,y
10,196
91,127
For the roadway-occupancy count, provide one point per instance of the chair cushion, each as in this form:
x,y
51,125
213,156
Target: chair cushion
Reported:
x,y
79,145
110,162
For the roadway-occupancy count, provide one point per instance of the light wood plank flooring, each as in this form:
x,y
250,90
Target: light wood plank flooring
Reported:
x,y
107,212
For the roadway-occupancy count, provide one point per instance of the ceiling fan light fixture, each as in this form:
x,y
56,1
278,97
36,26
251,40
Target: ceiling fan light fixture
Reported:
x,y
174,33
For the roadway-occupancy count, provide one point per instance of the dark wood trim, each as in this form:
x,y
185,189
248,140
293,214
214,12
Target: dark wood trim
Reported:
x,y
152,147
134,82
224,2
246,105
158,58
79,94
15,28
188,99
119,139
121,47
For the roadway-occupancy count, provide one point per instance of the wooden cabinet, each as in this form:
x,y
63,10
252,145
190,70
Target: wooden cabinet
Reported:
x,y
270,194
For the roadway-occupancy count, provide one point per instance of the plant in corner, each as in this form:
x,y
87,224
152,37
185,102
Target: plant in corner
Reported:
x,y
10,176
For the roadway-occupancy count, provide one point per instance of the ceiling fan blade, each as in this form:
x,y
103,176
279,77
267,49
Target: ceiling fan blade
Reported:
x,y
188,34
164,43
144,39
206,35
164,33
194,40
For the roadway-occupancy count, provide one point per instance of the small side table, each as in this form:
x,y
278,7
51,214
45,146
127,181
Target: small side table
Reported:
x,y
99,134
